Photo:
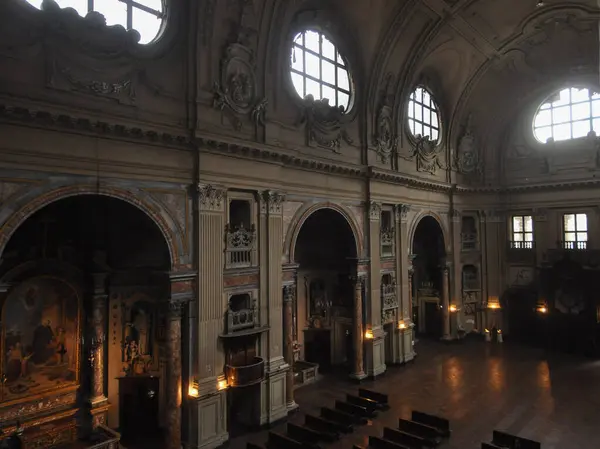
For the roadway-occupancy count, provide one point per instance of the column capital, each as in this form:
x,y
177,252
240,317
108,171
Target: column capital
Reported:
x,y
100,283
374,211
401,211
211,197
455,215
271,202
176,307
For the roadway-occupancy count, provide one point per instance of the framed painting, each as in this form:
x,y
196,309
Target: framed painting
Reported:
x,y
40,338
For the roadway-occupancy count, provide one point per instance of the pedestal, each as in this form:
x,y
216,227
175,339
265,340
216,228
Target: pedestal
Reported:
x,y
375,353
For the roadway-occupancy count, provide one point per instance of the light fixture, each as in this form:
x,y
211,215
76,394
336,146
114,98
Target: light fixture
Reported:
x,y
222,385
540,3
369,334
401,324
193,391
452,308
542,309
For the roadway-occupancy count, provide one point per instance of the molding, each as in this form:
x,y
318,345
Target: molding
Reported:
x,y
272,154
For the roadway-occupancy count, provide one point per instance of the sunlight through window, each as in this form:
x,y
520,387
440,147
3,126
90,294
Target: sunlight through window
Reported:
x,y
569,114
423,115
144,16
318,69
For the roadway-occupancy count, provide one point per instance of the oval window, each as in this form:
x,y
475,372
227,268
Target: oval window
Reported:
x,y
423,115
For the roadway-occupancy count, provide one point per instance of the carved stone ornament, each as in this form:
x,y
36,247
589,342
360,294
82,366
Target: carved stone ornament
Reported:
x,y
402,211
176,309
455,215
211,197
289,293
240,238
427,154
467,160
272,202
236,93
385,141
324,124
374,211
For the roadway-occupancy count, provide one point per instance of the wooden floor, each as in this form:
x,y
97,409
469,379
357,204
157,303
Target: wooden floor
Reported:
x,y
479,387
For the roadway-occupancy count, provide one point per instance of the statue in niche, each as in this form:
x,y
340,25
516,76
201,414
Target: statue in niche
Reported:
x,y
319,303
137,342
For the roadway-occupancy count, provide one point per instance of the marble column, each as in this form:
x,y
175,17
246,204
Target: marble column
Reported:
x,y
289,292
358,371
98,336
446,301
174,379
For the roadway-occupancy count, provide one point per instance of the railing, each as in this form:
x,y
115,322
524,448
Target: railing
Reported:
x,y
242,319
521,245
244,375
240,244
468,241
573,245
387,238
388,296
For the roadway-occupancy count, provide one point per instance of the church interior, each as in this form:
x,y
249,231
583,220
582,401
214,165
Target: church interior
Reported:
x,y
217,215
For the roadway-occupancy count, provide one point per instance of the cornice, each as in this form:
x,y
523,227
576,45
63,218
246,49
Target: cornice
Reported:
x,y
263,152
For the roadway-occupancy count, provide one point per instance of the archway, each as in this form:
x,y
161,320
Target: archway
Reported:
x,y
429,248
326,251
85,276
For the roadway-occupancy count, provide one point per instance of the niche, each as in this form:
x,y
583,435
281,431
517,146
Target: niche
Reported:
x,y
468,233
470,278
240,215
241,313
387,233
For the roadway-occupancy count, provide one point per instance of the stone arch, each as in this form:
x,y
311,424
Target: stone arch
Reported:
x,y
14,213
305,212
440,222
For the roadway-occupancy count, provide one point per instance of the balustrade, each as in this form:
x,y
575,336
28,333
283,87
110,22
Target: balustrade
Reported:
x,y
242,319
240,246
468,241
388,296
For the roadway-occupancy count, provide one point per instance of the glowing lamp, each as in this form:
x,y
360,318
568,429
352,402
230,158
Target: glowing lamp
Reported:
x,y
369,334
453,308
193,391
401,325
222,385
542,309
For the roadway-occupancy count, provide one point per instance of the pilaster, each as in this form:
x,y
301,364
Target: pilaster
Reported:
x,y
404,337
495,245
456,272
273,389
358,371
375,346
98,337
211,211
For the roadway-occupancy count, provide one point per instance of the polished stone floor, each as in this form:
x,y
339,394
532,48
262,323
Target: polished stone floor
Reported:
x,y
479,387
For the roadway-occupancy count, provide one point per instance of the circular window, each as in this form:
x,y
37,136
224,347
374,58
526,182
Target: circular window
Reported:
x,y
318,69
423,115
568,114
144,16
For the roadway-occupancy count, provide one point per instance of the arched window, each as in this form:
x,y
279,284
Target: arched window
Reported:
x,y
568,114
423,115
318,69
144,16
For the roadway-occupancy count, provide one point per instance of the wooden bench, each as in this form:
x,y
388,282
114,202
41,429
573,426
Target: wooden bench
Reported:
x,y
309,437
490,446
367,403
340,417
355,410
504,439
404,438
326,425
442,424
428,433
279,441
380,398
380,443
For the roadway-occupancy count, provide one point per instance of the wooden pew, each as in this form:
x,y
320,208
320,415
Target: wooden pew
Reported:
x,y
504,439
404,438
380,443
279,441
442,424
489,446
325,425
253,446
340,417
369,404
355,410
380,398
308,437
431,434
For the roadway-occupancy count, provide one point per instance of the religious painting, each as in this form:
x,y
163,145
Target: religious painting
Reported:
x,y
40,338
